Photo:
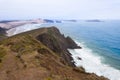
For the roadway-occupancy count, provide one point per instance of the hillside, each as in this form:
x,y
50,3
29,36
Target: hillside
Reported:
x,y
40,54
2,33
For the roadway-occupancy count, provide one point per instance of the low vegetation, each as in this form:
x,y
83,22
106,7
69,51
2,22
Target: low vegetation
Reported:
x,y
2,53
29,58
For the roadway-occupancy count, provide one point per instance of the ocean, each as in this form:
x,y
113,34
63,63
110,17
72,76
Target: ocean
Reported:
x,y
100,42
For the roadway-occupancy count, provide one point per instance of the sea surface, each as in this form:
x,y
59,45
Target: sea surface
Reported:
x,y
100,42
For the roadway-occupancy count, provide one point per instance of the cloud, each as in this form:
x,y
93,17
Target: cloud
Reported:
x,y
80,9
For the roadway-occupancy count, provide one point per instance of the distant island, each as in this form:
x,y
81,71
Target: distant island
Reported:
x,y
58,21
94,20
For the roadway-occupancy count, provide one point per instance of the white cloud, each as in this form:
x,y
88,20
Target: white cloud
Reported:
x,y
13,9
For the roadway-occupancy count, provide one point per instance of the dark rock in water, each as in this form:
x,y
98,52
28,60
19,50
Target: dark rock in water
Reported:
x,y
79,58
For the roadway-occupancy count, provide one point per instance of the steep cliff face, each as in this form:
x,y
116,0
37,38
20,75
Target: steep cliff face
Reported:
x,y
40,55
58,43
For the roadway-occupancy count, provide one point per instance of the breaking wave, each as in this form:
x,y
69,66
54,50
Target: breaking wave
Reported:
x,y
93,63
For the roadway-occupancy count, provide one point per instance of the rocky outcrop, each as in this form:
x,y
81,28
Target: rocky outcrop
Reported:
x,y
53,39
40,55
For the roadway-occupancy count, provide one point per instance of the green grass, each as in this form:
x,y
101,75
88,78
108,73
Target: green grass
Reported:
x,y
2,53
25,45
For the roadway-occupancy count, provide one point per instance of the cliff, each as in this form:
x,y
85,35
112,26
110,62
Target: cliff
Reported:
x,y
53,39
40,55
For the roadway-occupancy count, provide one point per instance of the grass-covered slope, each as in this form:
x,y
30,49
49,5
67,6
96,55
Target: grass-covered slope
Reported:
x,y
27,57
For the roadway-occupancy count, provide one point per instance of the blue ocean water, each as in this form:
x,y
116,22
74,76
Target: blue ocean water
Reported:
x,y
102,37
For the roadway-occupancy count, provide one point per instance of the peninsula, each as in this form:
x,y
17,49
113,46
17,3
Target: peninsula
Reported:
x,y
40,54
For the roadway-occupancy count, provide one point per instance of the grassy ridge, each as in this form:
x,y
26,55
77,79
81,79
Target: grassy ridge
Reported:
x,y
24,57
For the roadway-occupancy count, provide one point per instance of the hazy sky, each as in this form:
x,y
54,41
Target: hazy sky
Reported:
x,y
60,9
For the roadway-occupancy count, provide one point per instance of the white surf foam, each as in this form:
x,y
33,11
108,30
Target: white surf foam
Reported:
x,y
23,28
92,63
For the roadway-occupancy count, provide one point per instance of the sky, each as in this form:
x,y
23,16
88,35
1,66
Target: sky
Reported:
x,y
59,9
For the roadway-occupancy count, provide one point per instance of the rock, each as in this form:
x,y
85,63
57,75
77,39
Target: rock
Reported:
x,y
71,44
57,42
79,58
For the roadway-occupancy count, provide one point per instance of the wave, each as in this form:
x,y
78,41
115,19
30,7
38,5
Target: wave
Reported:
x,y
93,63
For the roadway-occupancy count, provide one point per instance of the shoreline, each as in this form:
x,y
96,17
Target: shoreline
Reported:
x,y
89,61
47,50
87,69
15,23
21,29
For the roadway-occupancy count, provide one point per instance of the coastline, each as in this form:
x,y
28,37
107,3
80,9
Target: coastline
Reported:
x,y
102,70
47,50
93,63
21,29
